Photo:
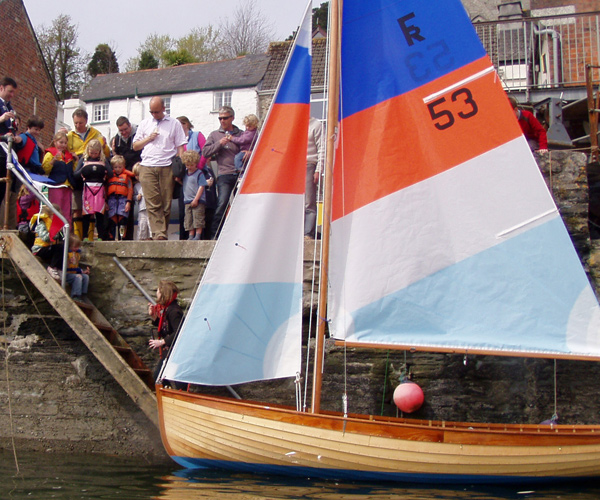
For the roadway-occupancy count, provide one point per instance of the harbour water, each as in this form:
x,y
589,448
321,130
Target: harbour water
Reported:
x,y
43,476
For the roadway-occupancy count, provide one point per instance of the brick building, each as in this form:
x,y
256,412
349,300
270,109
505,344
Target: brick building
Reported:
x,y
21,59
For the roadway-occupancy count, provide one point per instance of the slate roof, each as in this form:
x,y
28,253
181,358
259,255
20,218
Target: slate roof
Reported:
x,y
278,51
242,72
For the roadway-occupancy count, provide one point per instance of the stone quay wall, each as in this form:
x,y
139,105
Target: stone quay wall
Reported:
x,y
56,396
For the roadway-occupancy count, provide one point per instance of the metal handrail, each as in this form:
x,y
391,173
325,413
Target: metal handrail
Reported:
x,y
10,168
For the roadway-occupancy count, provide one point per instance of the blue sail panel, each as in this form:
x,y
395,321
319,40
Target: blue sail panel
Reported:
x,y
390,47
297,80
295,86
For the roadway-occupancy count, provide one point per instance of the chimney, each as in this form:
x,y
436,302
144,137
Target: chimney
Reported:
x,y
510,9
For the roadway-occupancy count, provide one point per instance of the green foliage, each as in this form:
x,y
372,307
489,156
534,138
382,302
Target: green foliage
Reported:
x,y
63,57
103,61
147,61
319,16
202,43
178,57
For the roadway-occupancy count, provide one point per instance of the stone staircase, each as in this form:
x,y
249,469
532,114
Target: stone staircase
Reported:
x,y
90,326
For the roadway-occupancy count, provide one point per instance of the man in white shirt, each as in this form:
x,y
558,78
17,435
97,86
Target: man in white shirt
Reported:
x,y
160,138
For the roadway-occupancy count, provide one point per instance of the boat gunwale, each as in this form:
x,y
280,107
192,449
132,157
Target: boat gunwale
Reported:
x,y
537,430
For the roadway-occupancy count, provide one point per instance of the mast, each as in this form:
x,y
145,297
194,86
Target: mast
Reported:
x,y
333,92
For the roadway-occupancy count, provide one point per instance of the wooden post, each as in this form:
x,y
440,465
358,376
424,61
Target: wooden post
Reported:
x,y
332,130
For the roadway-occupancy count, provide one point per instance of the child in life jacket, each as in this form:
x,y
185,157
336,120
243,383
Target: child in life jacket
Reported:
x,y
46,227
93,169
120,195
77,276
58,166
144,231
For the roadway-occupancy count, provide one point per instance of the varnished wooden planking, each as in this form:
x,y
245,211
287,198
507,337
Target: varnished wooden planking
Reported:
x,y
223,429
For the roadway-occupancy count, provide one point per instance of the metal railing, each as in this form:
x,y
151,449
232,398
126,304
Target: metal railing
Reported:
x,y
11,160
543,52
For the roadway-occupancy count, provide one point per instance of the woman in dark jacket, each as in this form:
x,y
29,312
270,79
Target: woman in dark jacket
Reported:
x,y
167,315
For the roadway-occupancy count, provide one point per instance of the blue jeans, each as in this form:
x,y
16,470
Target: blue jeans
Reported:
x,y
225,186
79,283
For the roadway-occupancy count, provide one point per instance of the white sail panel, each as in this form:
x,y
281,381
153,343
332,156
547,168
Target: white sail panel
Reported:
x,y
248,259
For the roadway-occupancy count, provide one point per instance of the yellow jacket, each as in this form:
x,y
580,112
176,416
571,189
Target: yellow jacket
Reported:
x,y
41,224
77,146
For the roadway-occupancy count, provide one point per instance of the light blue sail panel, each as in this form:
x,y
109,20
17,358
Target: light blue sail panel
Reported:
x,y
520,296
391,47
231,330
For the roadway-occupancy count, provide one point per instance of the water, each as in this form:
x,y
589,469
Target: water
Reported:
x,y
53,476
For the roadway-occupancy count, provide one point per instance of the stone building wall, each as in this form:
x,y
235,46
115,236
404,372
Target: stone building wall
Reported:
x,y
61,398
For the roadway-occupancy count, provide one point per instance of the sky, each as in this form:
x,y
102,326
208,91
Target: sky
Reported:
x,y
124,25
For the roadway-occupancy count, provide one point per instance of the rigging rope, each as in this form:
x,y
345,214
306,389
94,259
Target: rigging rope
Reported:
x,y
312,329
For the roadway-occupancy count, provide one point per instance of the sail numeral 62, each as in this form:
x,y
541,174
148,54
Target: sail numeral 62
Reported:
x,y
444,118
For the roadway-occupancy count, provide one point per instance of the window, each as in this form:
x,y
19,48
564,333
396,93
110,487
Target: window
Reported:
x,y
318,106
167,101
100,112
221,99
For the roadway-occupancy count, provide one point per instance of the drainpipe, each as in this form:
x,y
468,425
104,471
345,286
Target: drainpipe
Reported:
x,y
141,103
555,39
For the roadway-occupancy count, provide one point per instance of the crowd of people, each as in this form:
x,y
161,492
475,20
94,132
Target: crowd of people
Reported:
x,y
96,184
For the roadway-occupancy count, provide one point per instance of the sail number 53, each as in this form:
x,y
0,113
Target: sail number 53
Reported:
x,y
444,118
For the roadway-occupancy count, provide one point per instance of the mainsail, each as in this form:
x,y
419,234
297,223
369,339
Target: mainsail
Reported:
x,y
471,251
245,321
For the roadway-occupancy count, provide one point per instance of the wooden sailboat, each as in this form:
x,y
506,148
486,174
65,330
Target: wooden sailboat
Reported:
x,y
470,256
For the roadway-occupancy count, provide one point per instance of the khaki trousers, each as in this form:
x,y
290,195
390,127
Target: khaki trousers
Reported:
x,y
157,185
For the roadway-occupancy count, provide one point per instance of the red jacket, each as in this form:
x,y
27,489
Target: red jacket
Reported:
x,y
532,128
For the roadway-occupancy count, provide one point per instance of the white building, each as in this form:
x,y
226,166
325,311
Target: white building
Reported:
x,y
193,90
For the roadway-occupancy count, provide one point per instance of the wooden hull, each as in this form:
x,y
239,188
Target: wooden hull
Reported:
x,y
205,431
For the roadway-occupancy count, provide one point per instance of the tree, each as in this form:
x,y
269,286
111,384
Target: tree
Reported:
x,y
158,45
246,31
202,43
178,57
147,61
103,61
320,15
199,45
63,57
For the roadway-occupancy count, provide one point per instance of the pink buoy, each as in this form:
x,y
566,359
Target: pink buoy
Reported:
x,y
408,397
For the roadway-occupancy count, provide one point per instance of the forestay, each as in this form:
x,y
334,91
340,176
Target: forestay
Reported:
x,y
444,233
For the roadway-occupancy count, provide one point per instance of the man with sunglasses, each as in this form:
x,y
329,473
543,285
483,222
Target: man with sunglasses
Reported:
x,y
219,147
